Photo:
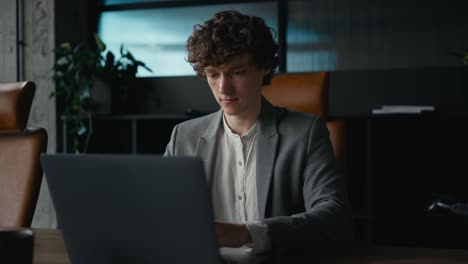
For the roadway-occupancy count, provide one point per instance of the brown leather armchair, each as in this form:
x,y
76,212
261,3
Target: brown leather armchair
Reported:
x,y
308,92
20,149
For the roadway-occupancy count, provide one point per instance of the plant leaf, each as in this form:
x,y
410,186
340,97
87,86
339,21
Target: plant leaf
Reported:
x,y
82,130
100,44
130,56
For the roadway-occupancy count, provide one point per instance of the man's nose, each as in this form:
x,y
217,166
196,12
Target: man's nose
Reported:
x,y
225,85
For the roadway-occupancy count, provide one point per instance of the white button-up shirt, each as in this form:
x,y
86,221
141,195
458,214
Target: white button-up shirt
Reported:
x,y
234,187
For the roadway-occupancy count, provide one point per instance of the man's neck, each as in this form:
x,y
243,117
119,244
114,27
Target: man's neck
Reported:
x,y
242,124
239,126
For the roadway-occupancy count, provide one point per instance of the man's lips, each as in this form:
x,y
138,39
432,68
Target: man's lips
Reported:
x,y
228,100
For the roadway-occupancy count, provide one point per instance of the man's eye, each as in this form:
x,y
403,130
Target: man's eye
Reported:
x,y
238,72
213,75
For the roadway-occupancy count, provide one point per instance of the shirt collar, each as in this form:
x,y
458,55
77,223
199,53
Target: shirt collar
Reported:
x,y
231,134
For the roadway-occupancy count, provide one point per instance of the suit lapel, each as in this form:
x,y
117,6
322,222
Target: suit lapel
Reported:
x,y
207,145
266,153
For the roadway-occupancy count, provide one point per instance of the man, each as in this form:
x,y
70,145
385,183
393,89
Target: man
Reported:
x,y
272,173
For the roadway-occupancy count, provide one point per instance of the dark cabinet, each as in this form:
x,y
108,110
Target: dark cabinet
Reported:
x,y
402,164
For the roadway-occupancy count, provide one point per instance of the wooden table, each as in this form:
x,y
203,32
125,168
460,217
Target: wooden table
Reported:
x,y
49,248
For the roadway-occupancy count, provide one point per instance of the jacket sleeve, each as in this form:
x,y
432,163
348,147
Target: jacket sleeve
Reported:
x,y
326,221
170,148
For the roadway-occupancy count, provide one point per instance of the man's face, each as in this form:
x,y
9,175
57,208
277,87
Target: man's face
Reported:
x,y
237,86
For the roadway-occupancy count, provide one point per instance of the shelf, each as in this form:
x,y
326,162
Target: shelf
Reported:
x,y
135,117
129,134
422,216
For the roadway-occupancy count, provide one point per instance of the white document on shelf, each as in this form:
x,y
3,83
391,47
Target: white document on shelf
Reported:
x,y
403,109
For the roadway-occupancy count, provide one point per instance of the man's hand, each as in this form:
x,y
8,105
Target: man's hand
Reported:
x,y
232,235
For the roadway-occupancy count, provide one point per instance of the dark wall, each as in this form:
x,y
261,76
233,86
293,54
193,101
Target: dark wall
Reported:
x,y
356,93
174,95
73,21
352,93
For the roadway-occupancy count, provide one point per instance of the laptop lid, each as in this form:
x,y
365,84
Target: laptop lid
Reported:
x,y
132,209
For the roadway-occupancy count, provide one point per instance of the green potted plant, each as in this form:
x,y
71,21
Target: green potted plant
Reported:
x,y
75,72
72,74
119,73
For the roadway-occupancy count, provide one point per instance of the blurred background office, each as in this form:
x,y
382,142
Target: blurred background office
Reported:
x,y
377,52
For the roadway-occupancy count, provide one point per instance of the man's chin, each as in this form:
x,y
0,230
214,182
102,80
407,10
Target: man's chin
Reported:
x,y
229,112
228,109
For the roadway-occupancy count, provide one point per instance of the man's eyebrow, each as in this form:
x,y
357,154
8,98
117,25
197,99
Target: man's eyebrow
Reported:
x,y
207,69
227,68
236,67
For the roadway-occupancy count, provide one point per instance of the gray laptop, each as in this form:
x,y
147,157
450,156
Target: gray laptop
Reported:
x,y
132,209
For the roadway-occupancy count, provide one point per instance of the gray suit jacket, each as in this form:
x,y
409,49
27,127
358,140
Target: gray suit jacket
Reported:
x,y
301,196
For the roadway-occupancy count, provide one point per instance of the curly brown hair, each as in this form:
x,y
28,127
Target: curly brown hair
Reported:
x,y
230,33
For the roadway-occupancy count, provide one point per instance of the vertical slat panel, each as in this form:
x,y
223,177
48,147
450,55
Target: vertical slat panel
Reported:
x,y
326,35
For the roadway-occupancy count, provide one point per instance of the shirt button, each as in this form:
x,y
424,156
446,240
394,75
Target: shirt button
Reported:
x,y
239,197
240,163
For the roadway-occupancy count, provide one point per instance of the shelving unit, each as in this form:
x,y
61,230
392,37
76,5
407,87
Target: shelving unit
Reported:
x,y
129,134
406,161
